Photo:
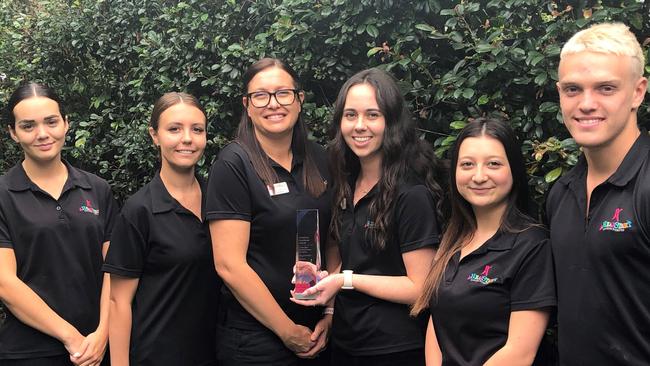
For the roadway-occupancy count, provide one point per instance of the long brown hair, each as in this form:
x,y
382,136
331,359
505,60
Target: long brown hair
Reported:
x,y
311,177
462,223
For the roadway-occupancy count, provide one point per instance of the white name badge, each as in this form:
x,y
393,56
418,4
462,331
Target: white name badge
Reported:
x,y
278,188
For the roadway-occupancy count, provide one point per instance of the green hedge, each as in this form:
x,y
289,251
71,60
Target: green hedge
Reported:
x,y
455,60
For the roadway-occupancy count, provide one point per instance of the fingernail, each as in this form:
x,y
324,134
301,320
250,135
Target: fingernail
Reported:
x,y
77,354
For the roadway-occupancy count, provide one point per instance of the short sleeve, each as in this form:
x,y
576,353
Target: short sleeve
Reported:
x,y
228,195
126,254
415,217
642,205
5,238
533,286
111,213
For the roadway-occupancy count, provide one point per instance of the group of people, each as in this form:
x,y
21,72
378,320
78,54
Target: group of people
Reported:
x,y
424,263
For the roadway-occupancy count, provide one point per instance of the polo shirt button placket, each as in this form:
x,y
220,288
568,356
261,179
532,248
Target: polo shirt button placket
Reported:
x,y
58,208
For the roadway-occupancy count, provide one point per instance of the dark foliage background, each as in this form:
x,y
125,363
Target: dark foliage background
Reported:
x,y
111,59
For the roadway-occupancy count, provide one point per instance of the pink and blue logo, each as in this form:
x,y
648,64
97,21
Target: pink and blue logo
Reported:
x,y
615,224
483,277
88,207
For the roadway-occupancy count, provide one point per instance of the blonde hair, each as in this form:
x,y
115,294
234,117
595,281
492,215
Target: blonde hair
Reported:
x,y
608,38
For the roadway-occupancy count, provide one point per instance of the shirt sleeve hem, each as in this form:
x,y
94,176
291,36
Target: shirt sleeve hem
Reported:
x,y
6,244
225,215
533,304
431,241
112,269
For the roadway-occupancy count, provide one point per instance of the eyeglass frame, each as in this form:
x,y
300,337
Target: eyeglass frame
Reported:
x,y
296,93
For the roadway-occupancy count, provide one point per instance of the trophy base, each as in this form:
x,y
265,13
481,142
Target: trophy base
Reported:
x,y
304,297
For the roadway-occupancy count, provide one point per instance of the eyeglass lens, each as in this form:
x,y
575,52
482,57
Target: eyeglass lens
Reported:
x,y
261,99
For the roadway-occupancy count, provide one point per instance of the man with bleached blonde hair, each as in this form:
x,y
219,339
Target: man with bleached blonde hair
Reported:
x,y
599,212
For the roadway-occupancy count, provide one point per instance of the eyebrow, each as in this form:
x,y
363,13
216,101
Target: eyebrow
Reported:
x,y
267,90
487,157
367,110
598,82
50,117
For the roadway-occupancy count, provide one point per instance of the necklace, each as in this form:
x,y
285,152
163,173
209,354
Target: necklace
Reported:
x,y
365,190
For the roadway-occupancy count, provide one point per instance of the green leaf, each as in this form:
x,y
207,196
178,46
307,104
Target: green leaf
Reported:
x,y
483,99
484,48
425,27
372,31
373,51
447,141
548,107
553,175
80,143
541,79
468,93
457,125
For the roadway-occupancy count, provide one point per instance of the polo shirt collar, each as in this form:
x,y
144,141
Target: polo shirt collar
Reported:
x,y
295,161
498,242
19,181
352,180
75,178
161,200
501,241
632,162
626,171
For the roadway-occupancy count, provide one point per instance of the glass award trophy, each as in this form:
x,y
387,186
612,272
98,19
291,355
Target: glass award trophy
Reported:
x,y
307,252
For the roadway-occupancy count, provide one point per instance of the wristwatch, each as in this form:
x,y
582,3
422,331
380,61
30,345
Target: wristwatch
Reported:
x,y
347,280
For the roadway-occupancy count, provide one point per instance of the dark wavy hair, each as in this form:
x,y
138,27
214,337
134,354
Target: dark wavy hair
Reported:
x,y
404,156
462,223
26,91
311,177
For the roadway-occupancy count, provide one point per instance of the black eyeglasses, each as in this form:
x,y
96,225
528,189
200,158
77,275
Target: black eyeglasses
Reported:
x,y
261,99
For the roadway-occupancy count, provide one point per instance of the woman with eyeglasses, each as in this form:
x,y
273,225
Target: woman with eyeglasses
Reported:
x,y
256,186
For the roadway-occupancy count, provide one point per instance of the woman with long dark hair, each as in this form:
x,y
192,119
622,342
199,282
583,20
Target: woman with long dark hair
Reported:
x,y
163,282
491,287
256,186
385,225
55,225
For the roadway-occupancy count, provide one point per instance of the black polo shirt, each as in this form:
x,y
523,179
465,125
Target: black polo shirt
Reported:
x,y
364,325
509,272
602,263
174,309
236,192
58,249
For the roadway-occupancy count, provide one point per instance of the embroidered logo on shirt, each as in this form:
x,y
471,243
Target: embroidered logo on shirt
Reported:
x,y
483,278
88,207
369,224
616,224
